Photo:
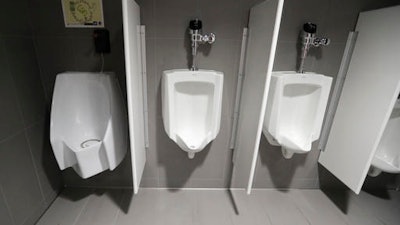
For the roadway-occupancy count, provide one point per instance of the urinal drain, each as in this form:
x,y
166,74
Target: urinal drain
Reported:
x,y
89,143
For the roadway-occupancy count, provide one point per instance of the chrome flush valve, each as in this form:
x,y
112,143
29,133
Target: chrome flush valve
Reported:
x,y
197,38
308,40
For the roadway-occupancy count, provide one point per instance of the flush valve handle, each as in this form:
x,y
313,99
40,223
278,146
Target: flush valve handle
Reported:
x,y
208,38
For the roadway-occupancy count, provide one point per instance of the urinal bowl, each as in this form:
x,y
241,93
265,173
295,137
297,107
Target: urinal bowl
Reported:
x,y
295,110
191,107
88,130
387,156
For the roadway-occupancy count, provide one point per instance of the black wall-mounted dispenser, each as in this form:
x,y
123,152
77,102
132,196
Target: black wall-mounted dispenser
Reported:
x,y
102,40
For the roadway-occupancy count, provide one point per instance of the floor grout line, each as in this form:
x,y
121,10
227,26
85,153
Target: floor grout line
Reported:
x,y
121,200
83,208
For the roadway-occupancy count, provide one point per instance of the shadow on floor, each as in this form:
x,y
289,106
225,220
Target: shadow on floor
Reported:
x,y
120,197
340,194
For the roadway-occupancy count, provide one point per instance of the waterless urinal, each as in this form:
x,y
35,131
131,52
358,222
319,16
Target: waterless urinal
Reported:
x,y
88,128
191,107
387,156
295,110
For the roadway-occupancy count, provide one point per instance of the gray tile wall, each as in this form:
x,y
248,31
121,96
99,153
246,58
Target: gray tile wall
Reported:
x,y
60,49
334,19
29,176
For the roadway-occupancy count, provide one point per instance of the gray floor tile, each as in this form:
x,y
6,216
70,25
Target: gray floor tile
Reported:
x,y
316,207
18,179
249,209
379,204
281,209
155,207
208,207
102,208
66,209
213,208
352,213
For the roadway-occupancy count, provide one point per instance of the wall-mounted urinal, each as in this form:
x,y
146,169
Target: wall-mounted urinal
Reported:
x,y
387,156
88,128
191,107
295,110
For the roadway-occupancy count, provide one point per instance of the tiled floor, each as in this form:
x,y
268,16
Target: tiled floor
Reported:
x,y
209,207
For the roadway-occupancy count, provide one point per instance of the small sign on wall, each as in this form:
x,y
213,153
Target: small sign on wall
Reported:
x,y
83,13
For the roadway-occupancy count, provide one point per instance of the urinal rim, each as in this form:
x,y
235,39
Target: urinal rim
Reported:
x,y
216,78
282,78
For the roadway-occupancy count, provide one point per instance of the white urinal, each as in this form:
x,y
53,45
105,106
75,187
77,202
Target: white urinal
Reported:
x,y
88,128
295,110
191,107
387,156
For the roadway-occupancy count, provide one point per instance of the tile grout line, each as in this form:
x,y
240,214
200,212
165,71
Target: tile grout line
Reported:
x,y
34,211
18,101
83,208
12,135
34,164
7,205
119,211
368,212
296,205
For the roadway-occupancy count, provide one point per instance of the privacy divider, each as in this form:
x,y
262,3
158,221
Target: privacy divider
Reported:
x,y
369,93
263,32
136,89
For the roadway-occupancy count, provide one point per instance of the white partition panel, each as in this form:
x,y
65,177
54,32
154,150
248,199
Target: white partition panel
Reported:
x,y
369,92
262,39
134,83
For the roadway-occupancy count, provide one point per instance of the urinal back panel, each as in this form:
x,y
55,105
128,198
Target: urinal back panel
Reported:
x,y
193,107
80,105
299,108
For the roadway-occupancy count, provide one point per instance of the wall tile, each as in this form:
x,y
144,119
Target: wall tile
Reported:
x,y
10,116
287,57
147,17
296,13
14,18
18,178
55,55
331,59
47,19
5,216
224,19
338,25
152,78
45,162
174,22
24,69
